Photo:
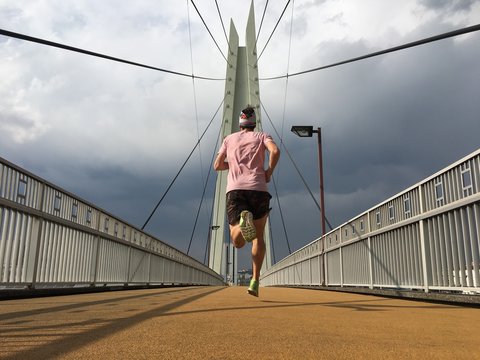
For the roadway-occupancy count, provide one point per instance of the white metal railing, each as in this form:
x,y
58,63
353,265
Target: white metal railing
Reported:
x,y
426,237
49,237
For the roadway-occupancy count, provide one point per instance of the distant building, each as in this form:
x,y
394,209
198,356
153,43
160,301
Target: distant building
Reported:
x,y
244,277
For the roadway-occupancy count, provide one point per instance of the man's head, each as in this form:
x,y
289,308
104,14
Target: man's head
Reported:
x,y
247,118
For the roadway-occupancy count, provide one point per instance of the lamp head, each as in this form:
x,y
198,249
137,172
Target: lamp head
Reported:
x,y
302,131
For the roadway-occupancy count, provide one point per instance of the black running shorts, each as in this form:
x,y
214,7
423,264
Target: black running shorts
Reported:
x,y
257,202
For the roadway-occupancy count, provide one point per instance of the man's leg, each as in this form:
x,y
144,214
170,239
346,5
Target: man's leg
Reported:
x,y
258,246
237,238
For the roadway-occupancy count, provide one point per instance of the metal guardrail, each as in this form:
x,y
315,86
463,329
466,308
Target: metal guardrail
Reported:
x,y
424,238
51,238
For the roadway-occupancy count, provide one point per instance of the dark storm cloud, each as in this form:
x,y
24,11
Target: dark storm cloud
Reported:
x,y
387,123
448,5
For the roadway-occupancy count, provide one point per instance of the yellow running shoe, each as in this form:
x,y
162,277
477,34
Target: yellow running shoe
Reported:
x,y
253,288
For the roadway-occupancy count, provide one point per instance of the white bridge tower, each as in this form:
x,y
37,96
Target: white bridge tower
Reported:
x,y
241,88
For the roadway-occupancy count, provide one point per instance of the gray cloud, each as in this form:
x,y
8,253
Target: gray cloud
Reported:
x,y
450,6
20,125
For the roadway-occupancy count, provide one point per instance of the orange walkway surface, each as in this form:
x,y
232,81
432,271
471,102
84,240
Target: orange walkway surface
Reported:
x,y
226,323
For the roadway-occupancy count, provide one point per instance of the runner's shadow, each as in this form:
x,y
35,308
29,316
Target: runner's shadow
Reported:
x,y
89,331
79,307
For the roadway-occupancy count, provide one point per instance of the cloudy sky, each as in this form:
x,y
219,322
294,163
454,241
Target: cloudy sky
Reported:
x,y
116,134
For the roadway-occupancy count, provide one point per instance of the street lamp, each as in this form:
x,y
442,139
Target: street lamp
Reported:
x,y
307,131
303,131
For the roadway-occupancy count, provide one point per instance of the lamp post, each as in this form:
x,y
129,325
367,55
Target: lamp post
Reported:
x,y
307,131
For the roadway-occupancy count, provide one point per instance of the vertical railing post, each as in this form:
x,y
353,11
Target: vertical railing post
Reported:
x,y
341,264
370,251
36,241
321,270
97,252
310,270
149,267
423,249
370,261
163,269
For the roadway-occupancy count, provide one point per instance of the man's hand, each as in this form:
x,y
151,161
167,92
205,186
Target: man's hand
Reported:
x,y
272,159
220,163
268,175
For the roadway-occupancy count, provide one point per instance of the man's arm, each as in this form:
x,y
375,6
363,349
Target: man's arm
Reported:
x,y
273,158
220,163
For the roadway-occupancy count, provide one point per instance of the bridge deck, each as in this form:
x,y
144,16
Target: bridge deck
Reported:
x,y
223,323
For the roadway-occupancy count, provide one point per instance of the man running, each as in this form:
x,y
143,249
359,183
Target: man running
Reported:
x,y
248,201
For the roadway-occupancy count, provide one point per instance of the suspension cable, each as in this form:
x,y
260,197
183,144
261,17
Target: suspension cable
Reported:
x,y
209,235
290,157
281,214
196,115
443,36
91,53
206,26
271,242
223,27
281,136
286,81
275,28
296,167
261,23
181,168
194,90
204,190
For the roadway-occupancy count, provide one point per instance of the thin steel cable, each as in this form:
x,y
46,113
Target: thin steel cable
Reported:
x,y
261,23
194,92
91,53
443,36
288,68
291,159
271,242
296,167
223,27
281,215
209,237
286,84
290,40
181,168
196,119
203,193
281,137
206,26
207,243
275,28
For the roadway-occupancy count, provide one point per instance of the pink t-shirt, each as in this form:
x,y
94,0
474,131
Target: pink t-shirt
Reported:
x,y
245,153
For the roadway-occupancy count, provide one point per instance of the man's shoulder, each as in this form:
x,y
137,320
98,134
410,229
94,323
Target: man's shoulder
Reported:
x,y
237,136
265,136
231,136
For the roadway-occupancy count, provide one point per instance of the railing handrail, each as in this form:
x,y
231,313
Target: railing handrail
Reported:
x,y
14,177
439,232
